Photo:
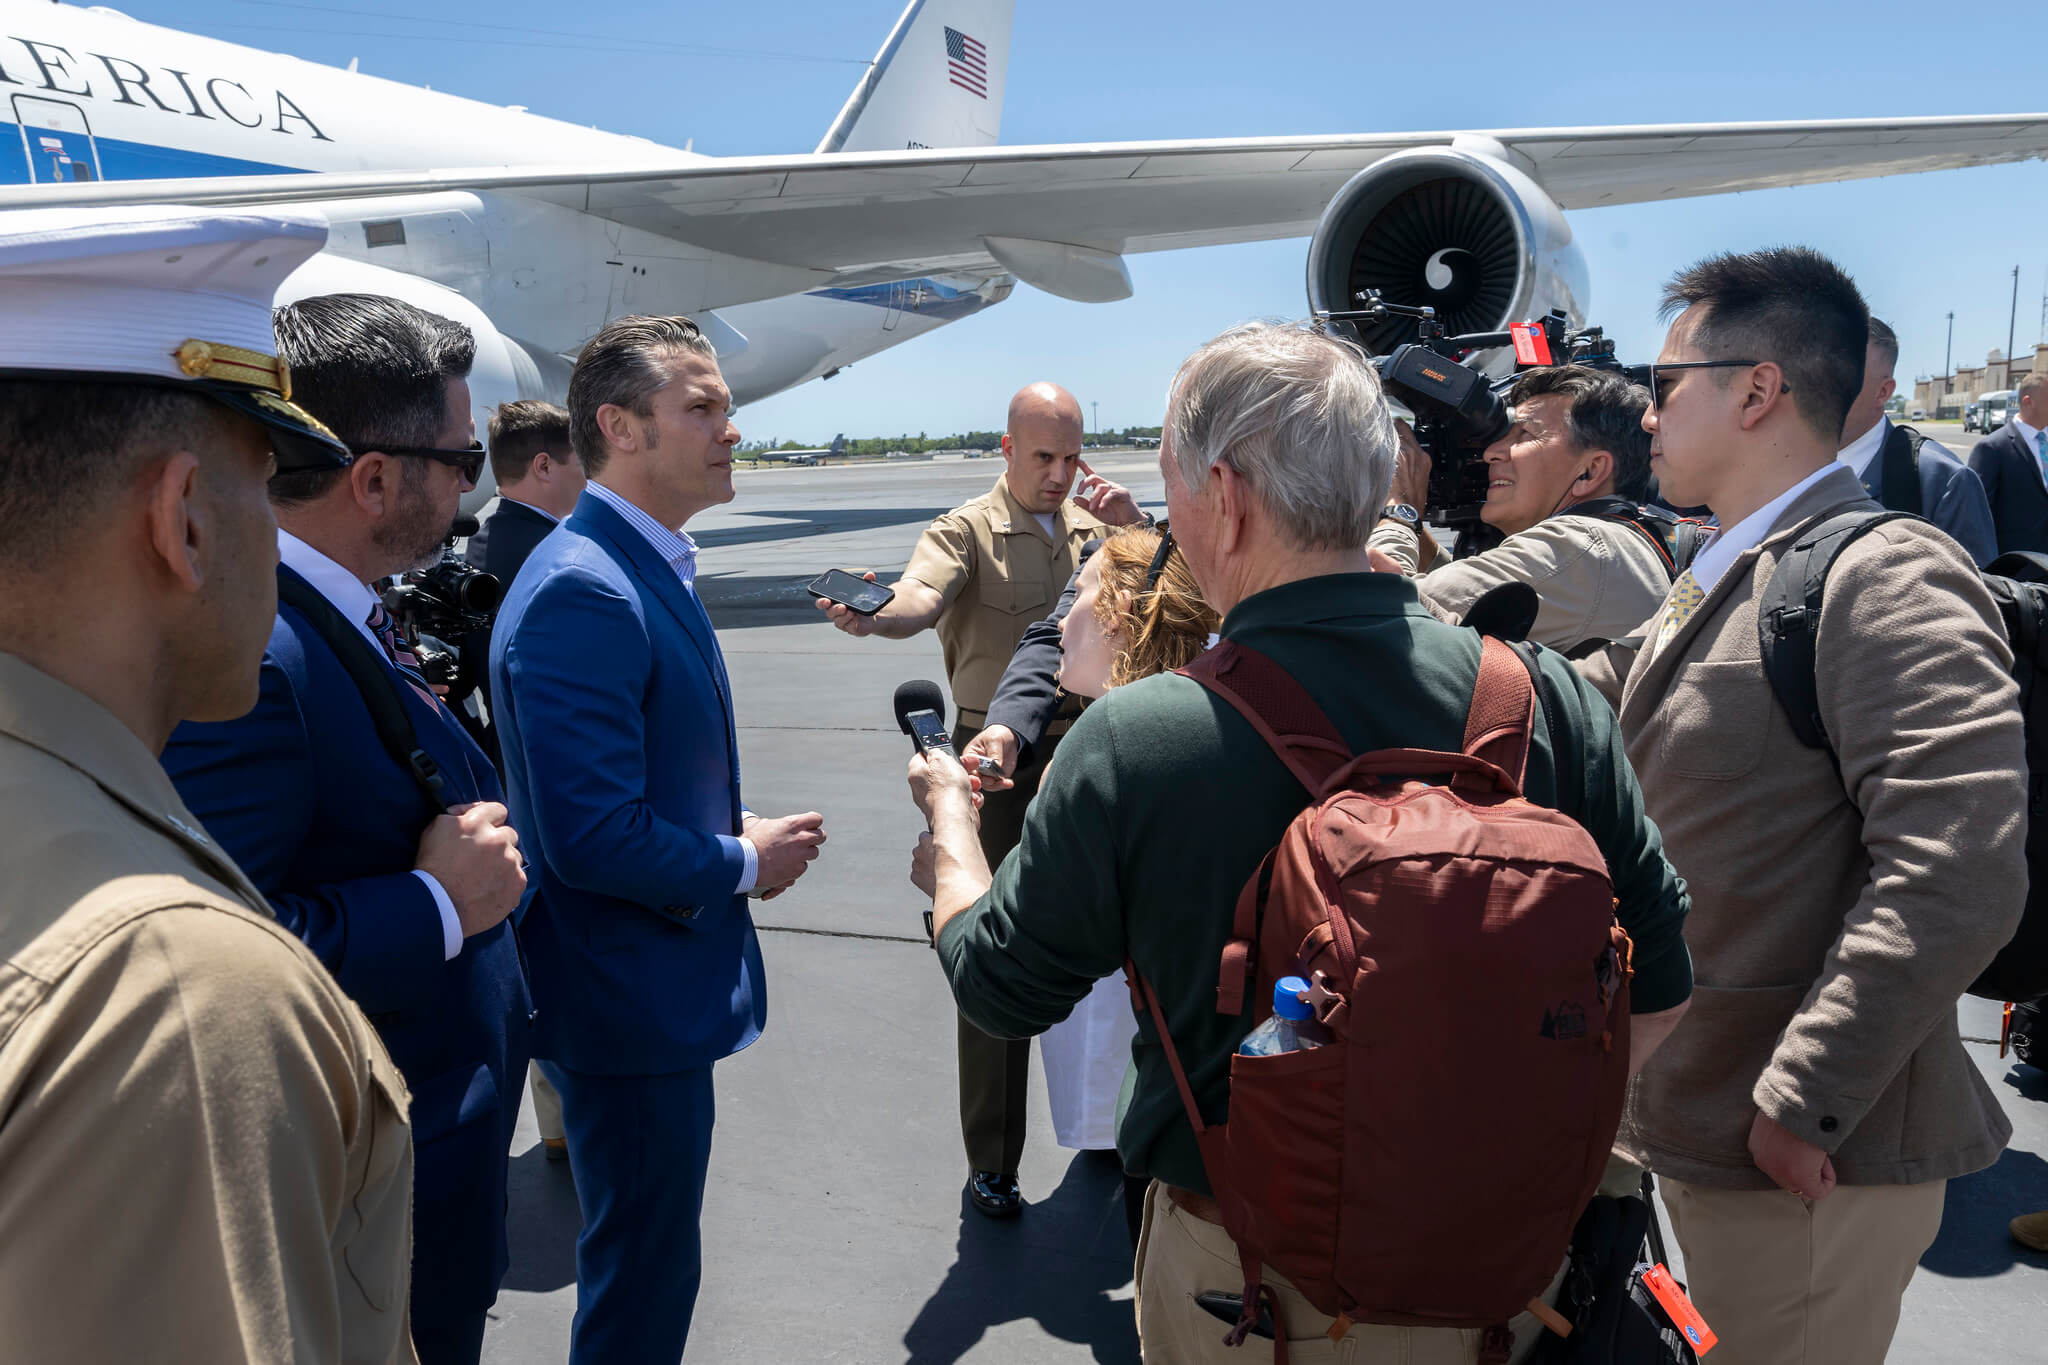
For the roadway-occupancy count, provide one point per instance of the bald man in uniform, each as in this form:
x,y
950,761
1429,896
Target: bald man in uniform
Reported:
x,y
982,574
204,1153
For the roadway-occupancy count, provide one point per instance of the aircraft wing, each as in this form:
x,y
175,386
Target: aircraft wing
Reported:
x,y
871,216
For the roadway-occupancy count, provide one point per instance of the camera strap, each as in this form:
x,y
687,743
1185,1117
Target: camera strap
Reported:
x,y
1677,540
374,680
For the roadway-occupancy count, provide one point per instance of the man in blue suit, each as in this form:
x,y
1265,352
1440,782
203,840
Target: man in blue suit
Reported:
x,y
402,895
615,716
1947,492
2013,462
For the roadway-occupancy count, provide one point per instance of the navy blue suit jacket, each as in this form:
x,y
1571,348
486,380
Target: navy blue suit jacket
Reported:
x,y
1951,496
327,824
2014,483
615,717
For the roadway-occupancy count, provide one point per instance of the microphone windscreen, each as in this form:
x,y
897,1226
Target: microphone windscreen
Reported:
x,y
1506,611
919,694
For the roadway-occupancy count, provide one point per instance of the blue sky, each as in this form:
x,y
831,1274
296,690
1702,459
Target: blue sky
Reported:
x,y
769,76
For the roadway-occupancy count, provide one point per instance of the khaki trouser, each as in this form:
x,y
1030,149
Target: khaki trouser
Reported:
x,y
995,1073
547,1104
1180,1256
1786,1281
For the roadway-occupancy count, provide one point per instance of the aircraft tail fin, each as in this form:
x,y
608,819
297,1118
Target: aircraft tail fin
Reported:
x,y
937,82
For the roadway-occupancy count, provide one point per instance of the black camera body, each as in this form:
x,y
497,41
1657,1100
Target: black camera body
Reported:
x,y
1459,410
441,604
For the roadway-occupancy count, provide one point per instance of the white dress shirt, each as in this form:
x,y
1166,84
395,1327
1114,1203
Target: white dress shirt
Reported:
x,y
1860,452
1748,533
679,552
352,597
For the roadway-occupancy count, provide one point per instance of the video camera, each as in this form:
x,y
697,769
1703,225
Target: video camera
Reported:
x,y
1459,409
438,606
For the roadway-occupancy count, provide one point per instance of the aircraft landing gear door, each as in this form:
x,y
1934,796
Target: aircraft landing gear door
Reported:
x,y
57,139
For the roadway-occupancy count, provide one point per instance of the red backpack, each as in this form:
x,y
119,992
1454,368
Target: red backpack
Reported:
x,y
1425,1167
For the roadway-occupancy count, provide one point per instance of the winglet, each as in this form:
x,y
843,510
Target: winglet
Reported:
x,y
937,82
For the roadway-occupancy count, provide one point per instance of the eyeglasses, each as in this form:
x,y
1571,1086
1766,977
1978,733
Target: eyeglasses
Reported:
x,y
1159,557
469,459
1656,396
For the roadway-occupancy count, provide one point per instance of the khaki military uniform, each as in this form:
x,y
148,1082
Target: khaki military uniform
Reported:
x,y
204,1153
999,572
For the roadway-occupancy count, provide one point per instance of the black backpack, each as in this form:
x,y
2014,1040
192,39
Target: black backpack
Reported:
x,y
1901,466
1788,615
1677,539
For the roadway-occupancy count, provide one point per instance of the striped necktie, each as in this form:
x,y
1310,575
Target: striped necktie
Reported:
x,y
401,656
1686,596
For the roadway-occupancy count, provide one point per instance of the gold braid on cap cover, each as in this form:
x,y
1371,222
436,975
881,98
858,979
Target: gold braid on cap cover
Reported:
x,y
234,365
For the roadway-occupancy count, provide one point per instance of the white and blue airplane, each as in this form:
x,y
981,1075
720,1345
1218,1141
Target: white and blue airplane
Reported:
x,y
907,216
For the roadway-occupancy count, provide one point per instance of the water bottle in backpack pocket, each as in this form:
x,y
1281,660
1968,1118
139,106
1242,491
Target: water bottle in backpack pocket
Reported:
x,y
1293,1027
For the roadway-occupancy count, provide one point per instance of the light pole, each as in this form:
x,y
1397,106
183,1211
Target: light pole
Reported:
x,y
2010,326
1096,409
1948,366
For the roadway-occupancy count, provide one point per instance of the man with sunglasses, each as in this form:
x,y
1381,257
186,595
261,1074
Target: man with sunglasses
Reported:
x,y
396,868
1565,485
1808,1116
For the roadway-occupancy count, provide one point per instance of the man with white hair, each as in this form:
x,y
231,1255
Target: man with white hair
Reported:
x,y
1279,451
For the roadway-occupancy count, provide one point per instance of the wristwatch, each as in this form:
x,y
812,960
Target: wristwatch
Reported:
x,y
1403,513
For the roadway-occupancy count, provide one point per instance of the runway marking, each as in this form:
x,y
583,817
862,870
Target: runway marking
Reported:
x,y
841,933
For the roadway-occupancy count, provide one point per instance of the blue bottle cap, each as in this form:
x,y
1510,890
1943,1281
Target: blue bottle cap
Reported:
x,y
1287,1001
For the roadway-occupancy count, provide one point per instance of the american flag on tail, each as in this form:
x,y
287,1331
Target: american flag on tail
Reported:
x,y
967,63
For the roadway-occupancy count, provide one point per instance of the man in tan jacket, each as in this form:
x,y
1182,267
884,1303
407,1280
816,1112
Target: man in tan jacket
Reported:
x,y
1565,484
1809,1111
204,1152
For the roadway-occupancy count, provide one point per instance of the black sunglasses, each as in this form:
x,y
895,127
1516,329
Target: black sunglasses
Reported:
x,y
1656,397
470,459
1159,557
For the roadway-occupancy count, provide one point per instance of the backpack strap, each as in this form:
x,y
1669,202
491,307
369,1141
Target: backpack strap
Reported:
x,y
1278,707
374,683
1788,616
1497,727
1901,457
1209,1145
2024,566
1675,539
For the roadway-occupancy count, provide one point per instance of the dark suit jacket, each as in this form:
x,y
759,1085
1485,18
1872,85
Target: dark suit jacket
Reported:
x,y
2013,482
1951,496
499,547
303,795
615,717
506,538
1028,698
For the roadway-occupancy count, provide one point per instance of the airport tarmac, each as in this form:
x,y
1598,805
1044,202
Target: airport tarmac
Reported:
x,y
834,1224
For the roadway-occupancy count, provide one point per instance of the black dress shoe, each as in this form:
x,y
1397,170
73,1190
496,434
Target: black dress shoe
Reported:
x,y
995,1195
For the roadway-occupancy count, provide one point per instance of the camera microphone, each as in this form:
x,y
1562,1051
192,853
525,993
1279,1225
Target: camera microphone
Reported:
x,y
921,714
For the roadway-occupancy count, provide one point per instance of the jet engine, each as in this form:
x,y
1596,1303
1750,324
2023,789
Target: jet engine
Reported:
x,y
1451,228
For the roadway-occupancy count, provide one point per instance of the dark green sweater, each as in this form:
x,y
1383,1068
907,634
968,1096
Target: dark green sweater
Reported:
x,y
1163,800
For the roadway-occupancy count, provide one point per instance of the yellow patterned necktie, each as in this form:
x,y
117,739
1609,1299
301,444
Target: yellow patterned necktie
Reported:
x,y
1686,596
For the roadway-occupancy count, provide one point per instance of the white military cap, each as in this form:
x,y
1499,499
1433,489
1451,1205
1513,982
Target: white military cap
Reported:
x,y
176,296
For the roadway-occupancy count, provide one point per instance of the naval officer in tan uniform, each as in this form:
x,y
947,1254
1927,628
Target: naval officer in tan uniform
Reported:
x,y
982,574
204,1152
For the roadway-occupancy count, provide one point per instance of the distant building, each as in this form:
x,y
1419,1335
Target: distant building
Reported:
x,y
1945,396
